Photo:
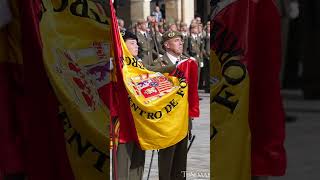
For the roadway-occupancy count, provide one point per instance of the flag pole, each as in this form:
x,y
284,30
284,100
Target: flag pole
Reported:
x,y
150,164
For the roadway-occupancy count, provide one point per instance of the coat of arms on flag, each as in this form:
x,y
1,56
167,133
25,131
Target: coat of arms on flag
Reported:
x,y
151,86
83,79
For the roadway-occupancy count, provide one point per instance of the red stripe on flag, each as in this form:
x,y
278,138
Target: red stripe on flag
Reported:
x,y
125,116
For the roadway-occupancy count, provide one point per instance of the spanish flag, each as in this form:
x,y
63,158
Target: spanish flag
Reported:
x,y
64,106
33,136
246,35
266,113
158,104
57,83
77,52
229,83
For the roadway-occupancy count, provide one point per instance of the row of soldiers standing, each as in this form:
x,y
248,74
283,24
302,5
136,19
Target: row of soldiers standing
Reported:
x,y
196,40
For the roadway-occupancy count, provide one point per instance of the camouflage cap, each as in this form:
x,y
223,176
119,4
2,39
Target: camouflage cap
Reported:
x,y
169,35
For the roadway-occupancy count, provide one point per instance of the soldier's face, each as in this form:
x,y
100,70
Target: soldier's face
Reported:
x,y
161,30
132,46
143,26
200,29
173,27
195,30
121,24
175,45
198,19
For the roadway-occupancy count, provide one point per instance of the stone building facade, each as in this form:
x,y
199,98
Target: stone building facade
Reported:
x,y
179,10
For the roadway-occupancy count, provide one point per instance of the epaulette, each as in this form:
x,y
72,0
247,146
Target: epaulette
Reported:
x,y
183,57
159,59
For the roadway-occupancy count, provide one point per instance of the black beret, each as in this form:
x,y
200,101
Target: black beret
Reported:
x,y
128,35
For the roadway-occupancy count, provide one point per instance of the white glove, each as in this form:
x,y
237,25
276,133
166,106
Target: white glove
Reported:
x,y
293,10
111,64
201,64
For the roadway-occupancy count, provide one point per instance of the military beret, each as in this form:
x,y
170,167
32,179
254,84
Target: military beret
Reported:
x,y
128,35
169,35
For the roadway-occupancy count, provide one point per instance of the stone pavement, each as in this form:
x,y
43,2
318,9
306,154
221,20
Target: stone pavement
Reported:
x,y
198,163
303,138
302,141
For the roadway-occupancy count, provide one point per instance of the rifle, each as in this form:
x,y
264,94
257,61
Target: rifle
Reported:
x,y
150,164
191,141
154,38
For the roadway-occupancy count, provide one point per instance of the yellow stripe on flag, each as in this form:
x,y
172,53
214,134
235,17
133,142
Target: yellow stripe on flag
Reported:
x,y
159,104
76,49
230,133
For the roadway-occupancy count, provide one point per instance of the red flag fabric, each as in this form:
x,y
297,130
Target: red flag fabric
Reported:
x,y
44,147
187,67
10,136
266,113
127,131
255,26
32,135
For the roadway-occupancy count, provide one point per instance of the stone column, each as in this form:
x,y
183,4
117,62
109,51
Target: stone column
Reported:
x,y
140,9
179,9
132,10
173,9
187,7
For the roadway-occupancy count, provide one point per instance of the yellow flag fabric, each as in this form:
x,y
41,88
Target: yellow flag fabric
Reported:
x,y
230,134
158,102
76,39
